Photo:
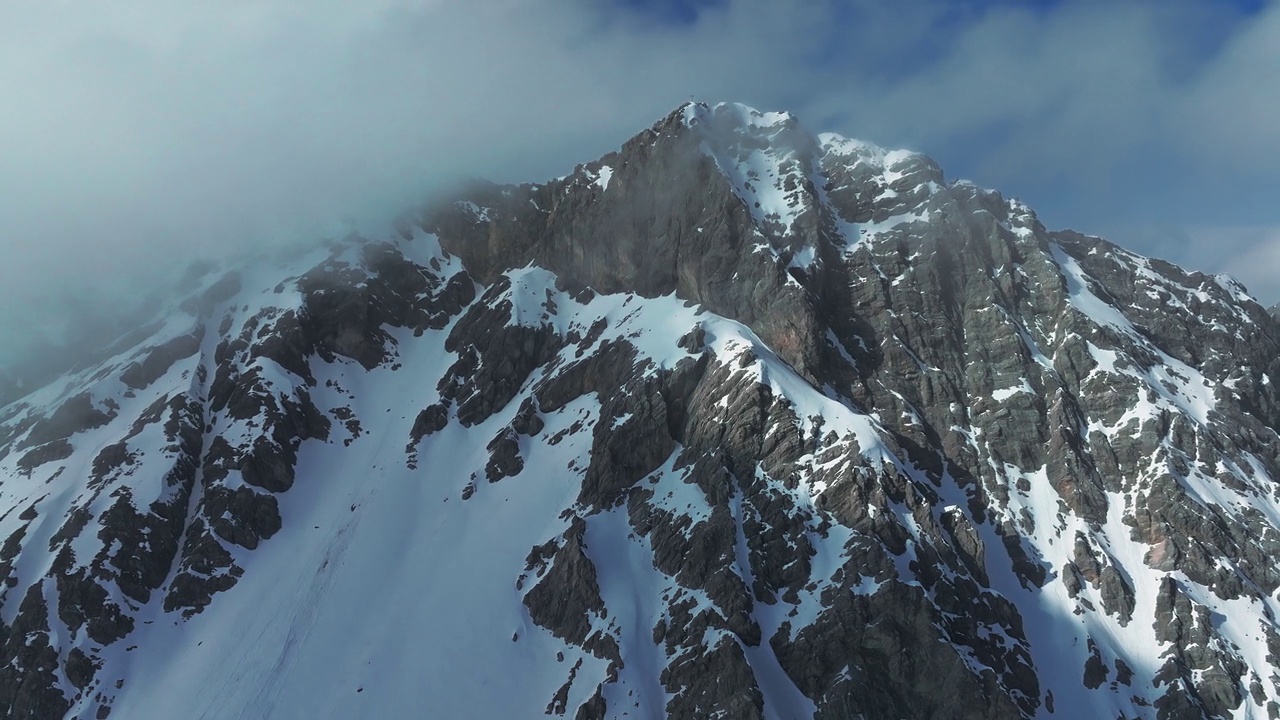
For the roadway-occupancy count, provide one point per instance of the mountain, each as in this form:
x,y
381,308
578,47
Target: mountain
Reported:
x,y
738,421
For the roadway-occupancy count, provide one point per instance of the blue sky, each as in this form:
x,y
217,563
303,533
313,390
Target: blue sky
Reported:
x,y
142,134
1151,123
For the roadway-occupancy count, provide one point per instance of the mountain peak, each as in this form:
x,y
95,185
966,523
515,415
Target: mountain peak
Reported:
x,y
784,128
728,422
733,113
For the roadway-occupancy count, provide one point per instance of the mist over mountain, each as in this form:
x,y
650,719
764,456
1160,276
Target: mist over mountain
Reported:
x,y
739,420
143,135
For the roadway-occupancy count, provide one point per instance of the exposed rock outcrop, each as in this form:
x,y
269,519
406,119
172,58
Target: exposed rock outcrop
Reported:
x,y
778,424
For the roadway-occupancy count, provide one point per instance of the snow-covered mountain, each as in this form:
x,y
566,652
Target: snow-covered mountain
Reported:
x,y
739,421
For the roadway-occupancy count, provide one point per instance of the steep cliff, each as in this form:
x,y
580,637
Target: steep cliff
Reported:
x,y
738,421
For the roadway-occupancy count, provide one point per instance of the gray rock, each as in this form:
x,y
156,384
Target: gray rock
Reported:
x,y
1024,387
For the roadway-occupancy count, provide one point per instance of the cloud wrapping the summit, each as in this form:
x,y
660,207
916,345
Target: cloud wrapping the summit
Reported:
x,y
139,135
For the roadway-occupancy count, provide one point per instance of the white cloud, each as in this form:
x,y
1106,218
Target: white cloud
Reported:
x,y
140,134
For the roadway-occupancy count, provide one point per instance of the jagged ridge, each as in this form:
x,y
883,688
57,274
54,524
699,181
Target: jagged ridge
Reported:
x,y
738,420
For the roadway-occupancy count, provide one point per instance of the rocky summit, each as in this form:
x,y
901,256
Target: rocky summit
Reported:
x,y
738,421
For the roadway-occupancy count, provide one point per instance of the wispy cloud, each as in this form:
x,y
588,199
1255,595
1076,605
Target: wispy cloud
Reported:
x,y
1250,254
138,135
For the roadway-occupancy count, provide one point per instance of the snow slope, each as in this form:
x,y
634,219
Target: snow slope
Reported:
x,y
930,460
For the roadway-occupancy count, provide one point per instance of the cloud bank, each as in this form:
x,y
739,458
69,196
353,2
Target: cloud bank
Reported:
x,y
140,135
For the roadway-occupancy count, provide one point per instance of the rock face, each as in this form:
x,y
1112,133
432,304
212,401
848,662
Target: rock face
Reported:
x,y
738,421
